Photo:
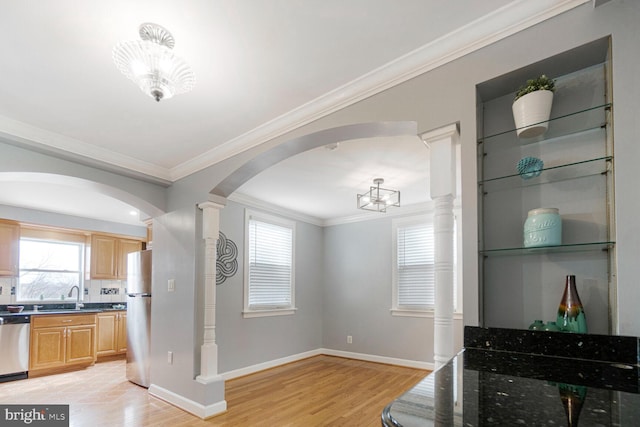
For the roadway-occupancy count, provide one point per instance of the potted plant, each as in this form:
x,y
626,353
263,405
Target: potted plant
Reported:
x,y
532,107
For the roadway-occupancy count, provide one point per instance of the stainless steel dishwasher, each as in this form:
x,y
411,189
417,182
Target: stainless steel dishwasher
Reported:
x,y
14,347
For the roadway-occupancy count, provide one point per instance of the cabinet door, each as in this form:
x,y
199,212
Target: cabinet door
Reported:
x,y
47,348
121,345
103,257
107,331
125,247
81,344
9,247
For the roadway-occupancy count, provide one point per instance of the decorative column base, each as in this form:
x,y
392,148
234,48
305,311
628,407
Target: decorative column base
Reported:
x,y
208,364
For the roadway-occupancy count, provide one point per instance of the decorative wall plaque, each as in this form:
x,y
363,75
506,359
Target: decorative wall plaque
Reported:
x,y
226,262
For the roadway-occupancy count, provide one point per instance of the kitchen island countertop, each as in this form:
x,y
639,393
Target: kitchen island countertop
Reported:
x,y
489,386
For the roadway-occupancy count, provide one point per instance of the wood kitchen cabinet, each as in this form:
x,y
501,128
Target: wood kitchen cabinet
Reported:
x,y
121,339
109,256
112,333
9,247
61,341
125,247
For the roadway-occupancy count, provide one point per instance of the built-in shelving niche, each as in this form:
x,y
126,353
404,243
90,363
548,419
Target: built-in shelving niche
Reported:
x,y
517,284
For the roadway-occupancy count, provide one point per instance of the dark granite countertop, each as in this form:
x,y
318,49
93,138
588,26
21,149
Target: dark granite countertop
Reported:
x,y
62,309
487,384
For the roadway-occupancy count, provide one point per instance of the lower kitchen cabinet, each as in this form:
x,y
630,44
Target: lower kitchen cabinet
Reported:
x,y
121,340
60,341
47,348
112,333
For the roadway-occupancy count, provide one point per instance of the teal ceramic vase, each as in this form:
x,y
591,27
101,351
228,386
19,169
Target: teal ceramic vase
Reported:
x,y
543,227
571,316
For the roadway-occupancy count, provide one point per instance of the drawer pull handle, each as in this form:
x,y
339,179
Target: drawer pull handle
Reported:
x,y
67,320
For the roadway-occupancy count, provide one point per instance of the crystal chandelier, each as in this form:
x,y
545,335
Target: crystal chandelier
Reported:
x,y
152,65
378,199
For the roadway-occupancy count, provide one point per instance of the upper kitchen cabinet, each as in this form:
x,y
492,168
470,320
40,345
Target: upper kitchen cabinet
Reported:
x,y
125,247
520,283
9,247
109,256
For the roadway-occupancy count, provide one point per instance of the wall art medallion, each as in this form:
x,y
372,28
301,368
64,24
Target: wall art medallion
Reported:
x,y
226,262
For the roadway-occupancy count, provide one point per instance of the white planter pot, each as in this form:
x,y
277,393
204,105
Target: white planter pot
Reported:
x,y
531,113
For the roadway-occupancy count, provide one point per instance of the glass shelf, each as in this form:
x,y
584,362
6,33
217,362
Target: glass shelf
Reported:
x,y
550,174
569,248
563,125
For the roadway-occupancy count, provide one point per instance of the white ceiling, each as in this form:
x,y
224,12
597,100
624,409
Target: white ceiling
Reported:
x,y
323,183
262,68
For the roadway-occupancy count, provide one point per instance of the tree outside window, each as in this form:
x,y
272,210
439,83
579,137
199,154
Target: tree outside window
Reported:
x,y
48,269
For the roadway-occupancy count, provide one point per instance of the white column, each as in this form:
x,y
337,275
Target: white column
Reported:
x,y
209,348
442,170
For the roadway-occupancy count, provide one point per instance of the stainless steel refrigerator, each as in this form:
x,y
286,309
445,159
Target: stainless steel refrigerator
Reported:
x,y
138,316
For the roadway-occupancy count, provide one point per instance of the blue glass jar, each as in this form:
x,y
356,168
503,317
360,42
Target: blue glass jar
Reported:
x,y
543,227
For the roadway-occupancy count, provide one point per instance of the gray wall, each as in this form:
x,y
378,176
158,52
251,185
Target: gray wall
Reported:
x,y
448,95
173,317
440,97
245,342
69,221
149,198
357,296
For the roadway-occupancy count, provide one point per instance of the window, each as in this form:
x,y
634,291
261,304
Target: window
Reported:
x,y
269,266
48,269
414,267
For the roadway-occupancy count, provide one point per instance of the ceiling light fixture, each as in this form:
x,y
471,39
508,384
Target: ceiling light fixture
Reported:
x,y
152,65
378,199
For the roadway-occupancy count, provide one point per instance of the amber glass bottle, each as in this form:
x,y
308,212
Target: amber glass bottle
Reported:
x,y
571,316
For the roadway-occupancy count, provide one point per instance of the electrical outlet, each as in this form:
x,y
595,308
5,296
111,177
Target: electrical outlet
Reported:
x,y
170,357
349,339
171,285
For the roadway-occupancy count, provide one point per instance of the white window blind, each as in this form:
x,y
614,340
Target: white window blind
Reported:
x,y
415,267
270,265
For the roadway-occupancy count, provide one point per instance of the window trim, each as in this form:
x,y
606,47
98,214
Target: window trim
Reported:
x,y
247,311
55,238
426,218
396,310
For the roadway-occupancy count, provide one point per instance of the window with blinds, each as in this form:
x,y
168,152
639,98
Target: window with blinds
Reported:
x,y
414,266
269,263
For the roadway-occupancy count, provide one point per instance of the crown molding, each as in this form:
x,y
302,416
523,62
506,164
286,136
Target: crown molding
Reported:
x,y
370,216
252,202
40,140
501,23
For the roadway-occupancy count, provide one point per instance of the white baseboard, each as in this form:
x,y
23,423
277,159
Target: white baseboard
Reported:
x,y
188,405
268,365
347,354
204,412
379,359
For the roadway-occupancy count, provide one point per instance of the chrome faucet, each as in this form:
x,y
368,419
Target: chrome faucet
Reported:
x,y
79,305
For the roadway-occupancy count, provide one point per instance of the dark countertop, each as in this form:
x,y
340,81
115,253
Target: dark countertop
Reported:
x,y
62,309
489,386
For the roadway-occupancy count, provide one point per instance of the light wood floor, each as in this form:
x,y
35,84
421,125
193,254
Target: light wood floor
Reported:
x,y
319,391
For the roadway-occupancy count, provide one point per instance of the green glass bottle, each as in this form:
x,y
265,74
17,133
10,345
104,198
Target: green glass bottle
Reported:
x,y
551,327
571,316
537,325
